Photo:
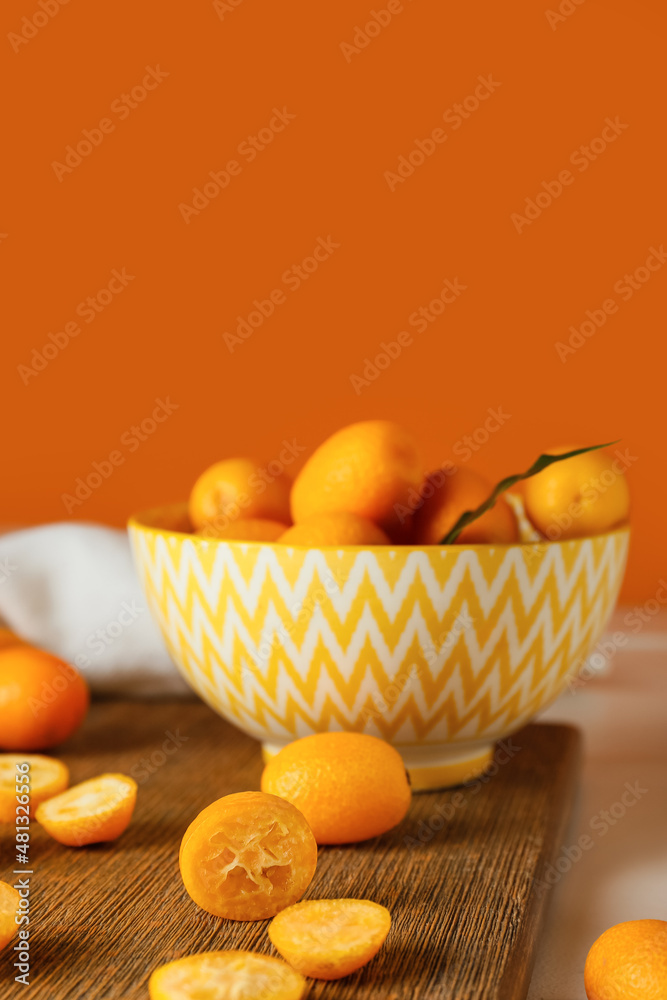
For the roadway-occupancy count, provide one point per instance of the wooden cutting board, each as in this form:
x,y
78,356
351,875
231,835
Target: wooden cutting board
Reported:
x,y
459,874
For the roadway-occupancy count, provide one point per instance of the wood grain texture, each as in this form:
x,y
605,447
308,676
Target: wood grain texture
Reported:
x,y
458,875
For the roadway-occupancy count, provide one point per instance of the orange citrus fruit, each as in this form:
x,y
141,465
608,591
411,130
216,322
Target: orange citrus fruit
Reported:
x,y
628,962
42,699
330,938
251,529
247,856
9,638
46,777
444,497
334,529
226,975
9,904
579,496
92,812
369,469
349,786
235,488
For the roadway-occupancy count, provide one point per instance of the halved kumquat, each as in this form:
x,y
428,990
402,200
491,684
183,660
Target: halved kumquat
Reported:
x,y
46,777
94,811
226,975
9,904
247,856
330,938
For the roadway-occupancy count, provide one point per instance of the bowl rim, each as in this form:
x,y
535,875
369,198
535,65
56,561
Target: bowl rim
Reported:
x,y
141,521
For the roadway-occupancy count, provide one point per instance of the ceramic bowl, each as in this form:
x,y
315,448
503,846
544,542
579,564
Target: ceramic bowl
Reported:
x,y
441,650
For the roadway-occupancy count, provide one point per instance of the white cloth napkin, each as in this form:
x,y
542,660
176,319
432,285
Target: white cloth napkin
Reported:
x,y
73,589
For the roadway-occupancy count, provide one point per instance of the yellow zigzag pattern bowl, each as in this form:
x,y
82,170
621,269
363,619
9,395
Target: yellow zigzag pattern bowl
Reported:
x,y
441,650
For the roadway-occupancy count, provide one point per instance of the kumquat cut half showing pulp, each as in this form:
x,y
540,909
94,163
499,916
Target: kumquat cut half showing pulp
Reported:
x,y
10,901
97,810
247,856
330,938
226,975
27,780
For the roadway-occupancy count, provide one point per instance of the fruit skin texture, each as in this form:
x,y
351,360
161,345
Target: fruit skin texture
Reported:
x,y
570,500
366,469
628,962
92,812
253,529
9,904
42,699
48,777
236,488
334,529
223,975
247,856
450,495
349,786
330,938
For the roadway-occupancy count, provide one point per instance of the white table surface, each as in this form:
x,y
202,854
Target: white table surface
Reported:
x,y
622,714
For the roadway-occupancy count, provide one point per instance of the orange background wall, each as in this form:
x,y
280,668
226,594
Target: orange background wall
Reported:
x,y
229,65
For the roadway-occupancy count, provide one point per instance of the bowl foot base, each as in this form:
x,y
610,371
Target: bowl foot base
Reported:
x,y
433,767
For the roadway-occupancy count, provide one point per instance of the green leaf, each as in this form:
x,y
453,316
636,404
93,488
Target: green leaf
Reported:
x,y
543,462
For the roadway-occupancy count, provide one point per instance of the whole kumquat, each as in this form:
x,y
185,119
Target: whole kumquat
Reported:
x,y
580,496
369,469
349,786
237,488
628,962
334,529
42,699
